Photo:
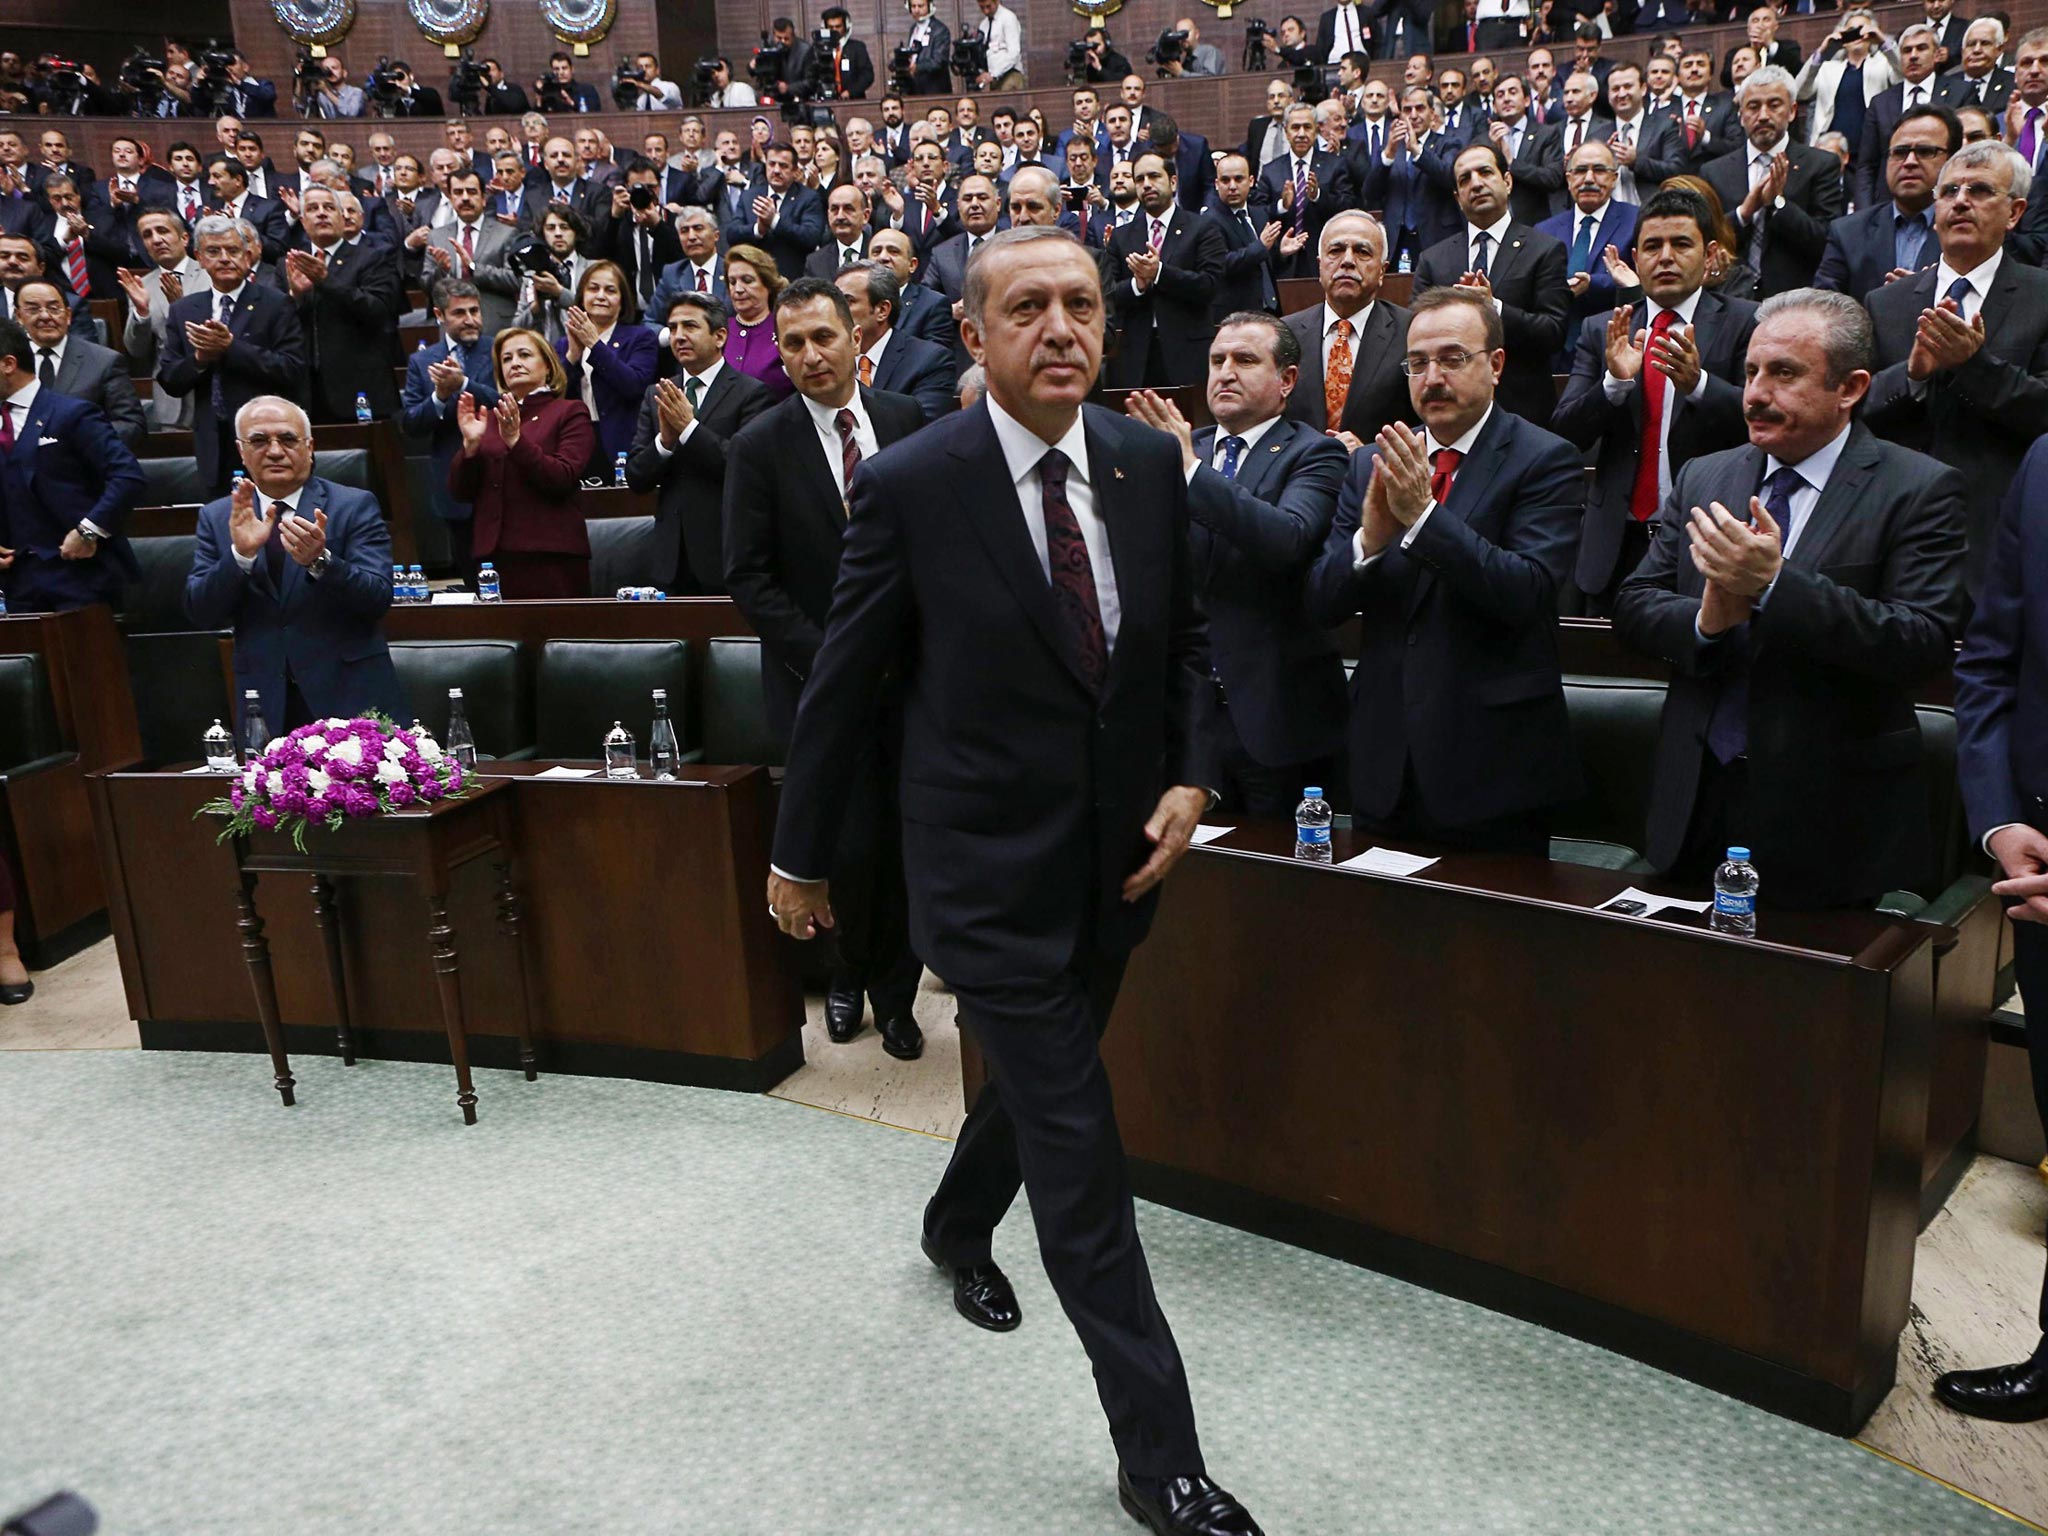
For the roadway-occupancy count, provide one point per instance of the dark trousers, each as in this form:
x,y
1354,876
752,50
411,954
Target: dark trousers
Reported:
x,y
871,946
1259,789
461,531
1044,1119
2030,969
1635,543
1718,822
1526,832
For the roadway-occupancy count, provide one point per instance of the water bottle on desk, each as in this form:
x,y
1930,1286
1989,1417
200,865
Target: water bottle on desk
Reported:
x,y
662,751
398,589
487,583
460,745
255,734
1735,886
417,580
619,470
362,408
1312,827
619,760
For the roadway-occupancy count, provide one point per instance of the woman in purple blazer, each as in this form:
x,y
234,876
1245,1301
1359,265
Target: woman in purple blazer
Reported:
x,y
751,284
610,359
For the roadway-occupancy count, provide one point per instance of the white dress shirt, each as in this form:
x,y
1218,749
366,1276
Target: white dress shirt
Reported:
x,y
1022,449
1617,390
1004,35
1815,470
291,502
1251,436
1165,229
1430,448
1980,278
56,352
826,419
604,338
1348,36
1330,319
707,378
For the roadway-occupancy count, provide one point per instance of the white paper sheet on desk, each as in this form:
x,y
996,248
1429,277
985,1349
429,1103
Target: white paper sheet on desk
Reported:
x,y
566,773
444,598
226,773
1386,861
1652,905
1205,833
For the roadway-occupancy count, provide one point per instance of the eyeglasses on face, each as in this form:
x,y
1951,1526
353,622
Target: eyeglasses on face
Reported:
x,y
260,441
1450,360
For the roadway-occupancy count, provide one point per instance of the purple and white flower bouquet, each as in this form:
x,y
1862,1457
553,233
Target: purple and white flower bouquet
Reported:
x,y
335,771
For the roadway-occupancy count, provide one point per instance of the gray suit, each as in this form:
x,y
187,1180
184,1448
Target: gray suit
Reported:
x,y
144,338
99,376
493,276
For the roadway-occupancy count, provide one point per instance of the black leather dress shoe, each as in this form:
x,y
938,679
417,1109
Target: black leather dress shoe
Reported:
x,y
901,1037
1185,1506
2012,1394
842,1014
981,1293
21,994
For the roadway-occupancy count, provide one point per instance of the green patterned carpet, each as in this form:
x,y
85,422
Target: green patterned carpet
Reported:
x,y
622,1308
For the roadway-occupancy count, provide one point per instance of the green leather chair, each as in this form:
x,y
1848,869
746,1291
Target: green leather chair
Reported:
x,y
1961,872
1614,724
584,685
622,555
176,482
180,689
29,739
735,721
430,540
495,696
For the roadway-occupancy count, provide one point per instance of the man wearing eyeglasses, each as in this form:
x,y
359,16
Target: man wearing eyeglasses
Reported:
x,y
1894,238
301,569
1962,348
1449,547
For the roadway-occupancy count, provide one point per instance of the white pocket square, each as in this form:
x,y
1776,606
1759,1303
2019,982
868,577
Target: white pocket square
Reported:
x,y
44,442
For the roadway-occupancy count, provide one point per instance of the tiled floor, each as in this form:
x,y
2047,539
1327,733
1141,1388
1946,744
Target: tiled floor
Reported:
x,y
1977,1278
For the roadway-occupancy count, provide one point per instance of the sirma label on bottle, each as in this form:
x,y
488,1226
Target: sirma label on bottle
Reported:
x,y
1317,835
1728,904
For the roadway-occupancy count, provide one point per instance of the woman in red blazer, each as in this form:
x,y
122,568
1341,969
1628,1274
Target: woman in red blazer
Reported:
x,y
519,469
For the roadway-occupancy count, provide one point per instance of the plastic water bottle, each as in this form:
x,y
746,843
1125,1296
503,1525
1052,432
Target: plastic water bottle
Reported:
x,y
1407,262
1735,886
662,752
487,583
417,580
1312,827
619,470
3,605
362,407
460,745
399,591
255,734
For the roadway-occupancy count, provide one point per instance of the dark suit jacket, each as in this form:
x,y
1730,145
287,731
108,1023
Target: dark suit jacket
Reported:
x,y
1194,168
1860,251
350,319
2001,691
66,466
326,635
1379,390
1865,609
1172,314
523,498
422,414
1527,274
272,226
1252,541
1331,182
1617,227
1016,841
1457,660
621,371
1708,424
1414,194
1723,129
1538,169
1955,89
856,69
928,317
688,537
1795,236
1880,117
798,231
99,376
267,357
945,269
1247,278
920,369
1982,417
616,242
783,528
675,278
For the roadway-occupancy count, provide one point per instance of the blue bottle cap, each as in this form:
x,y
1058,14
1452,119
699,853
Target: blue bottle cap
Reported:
x,y
1738,855
1313,792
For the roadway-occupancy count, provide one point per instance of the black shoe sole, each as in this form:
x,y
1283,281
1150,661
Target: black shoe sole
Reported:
x,y
2029,1416
911,1055
1131,1509
12,996
925,1244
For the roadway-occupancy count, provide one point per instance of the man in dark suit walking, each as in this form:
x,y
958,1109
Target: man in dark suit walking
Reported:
x,y
348,299
1161,270
2002,759
785,497
435,378
1653,387
1962,348
1262,491
1352,343
1780,196
1801,588
1450,546
1509,262
979,571
680,444
71,365
67,484
1881,240
226,345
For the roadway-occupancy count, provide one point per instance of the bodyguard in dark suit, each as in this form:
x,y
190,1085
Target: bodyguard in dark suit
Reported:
x,y
226,345
785,518
1160,292
435,378
679,445
2002,759
67,484
301,569
1782,209
1353,322
71,365
1653,387
348,299
1524,270
1054,736
1962,348
1880,238
1262,491
782,217
1595,220
1789,727
1451,548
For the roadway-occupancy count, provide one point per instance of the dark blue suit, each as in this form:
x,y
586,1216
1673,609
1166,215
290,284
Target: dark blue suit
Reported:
x,y
1862,250
1415,194
1194,167
423,414
1617,227
325,636
267,357
920,369
1247,281
620,372
798,230
928,316
66,466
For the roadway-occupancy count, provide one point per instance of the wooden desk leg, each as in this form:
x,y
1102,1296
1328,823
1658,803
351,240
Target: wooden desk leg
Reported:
x,y
256,951
449,980
329,922
508,924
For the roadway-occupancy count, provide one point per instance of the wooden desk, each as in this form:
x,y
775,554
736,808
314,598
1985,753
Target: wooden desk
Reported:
x,y
1698,1150
642,908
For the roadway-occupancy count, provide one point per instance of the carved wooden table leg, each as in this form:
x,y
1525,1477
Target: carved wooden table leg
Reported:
x,y
329,923
256,951
508,924
449,980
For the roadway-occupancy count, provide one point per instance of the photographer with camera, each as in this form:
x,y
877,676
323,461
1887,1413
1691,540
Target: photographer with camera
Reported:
x,y
1182,52
156,84
503,96
845,63
406,96
560,91
724,91
241,92
549,269
1852,68
333,95
634,230
1104,63
638,86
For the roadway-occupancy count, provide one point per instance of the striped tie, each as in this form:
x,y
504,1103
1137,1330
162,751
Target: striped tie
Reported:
x,y
74,264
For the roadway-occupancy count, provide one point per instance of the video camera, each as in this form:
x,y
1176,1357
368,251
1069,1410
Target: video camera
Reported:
x,y
468,83
1256,35
706,77
970,61
1077,61
385,84
1172,48
143,74
902,69
623,94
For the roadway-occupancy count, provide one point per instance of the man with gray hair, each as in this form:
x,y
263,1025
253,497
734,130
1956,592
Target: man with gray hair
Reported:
x,y
1800,587
1780,196
1919,56
1980,82
1962,347
348,297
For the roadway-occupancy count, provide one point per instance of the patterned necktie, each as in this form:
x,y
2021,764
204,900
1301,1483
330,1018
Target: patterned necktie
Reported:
x,y
1158,235
217,393
1479,244
1300,196
1728,726
46,371
1692,123
703,281
1337,376
1073,574
1232,447
1578,136
1444,464
468,247
1648,491
191,204
74,264
849,450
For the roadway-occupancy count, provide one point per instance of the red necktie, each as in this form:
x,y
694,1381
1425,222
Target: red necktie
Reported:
x,y
191,205
1578,136
468,246
6,426
74,265
1073,575
1446,461
849,450
1158,235
703,281
1642,501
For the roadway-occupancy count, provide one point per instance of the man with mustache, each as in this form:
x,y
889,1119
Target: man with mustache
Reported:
x,y
1800,587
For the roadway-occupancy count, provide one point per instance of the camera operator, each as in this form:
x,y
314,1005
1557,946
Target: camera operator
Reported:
x,y
560,91
1104,62
408,98
503,97
70,89
1187,54
848,66
242,94
634,230
641,88
930,45
784,75
1002,34
728,92
551,268
336,97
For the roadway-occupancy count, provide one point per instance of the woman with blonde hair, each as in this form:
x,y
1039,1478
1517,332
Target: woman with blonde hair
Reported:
x,y
751,284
